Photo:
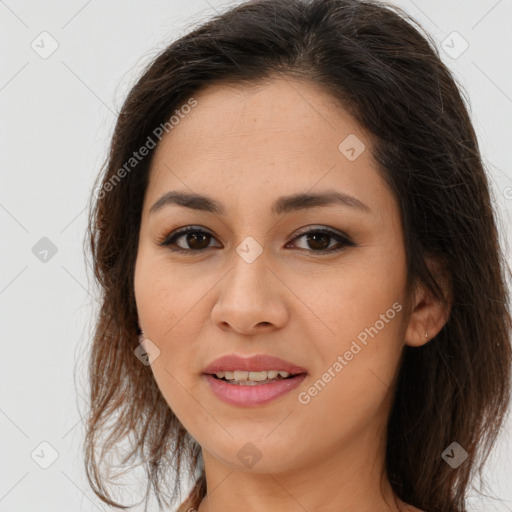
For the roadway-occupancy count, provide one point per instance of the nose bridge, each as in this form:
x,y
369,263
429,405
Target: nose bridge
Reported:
x,y
249,275
248,296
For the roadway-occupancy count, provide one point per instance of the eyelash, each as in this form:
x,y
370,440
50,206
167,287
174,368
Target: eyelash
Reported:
x,y
171,238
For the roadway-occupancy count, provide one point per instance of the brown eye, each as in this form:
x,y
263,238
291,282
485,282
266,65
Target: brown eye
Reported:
x,y
318,240
195,240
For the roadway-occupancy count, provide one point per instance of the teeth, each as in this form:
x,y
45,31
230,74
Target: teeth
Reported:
x,y
239,375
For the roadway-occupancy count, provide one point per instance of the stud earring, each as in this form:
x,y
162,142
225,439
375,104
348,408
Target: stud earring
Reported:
x,y
426,335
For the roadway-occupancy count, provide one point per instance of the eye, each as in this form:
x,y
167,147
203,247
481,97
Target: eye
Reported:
x,y
198,240
195,237
318,239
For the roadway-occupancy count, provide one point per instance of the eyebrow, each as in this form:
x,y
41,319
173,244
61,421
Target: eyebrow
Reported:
x,y
282,205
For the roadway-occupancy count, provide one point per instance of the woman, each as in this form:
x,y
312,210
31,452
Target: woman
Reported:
x,y
304,298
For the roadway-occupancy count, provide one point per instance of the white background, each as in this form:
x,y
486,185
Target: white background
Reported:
x,y
57,115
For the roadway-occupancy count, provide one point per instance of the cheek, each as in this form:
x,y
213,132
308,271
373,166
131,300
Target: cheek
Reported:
x,y
362,324
354,296
171,306
351,385
165,296
167,319
156,304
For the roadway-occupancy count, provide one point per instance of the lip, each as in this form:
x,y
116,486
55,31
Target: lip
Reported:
x,y
252,395
256,363
257,394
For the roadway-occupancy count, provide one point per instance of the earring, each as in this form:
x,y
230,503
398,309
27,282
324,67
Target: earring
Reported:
x,y
426,335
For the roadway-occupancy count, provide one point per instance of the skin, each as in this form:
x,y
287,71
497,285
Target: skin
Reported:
x,y
245,147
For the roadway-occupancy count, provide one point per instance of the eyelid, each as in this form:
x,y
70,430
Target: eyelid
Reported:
x,y
172,236
319,227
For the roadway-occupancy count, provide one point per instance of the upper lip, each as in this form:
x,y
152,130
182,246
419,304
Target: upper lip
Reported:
x,y
256,363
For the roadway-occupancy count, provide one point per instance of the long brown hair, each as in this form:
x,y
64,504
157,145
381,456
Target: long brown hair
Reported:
x,y
389,76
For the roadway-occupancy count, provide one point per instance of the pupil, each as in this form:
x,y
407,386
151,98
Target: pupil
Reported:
x,y
195,237
315,237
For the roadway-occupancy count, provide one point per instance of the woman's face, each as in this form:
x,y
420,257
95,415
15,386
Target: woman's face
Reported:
x,y
252,282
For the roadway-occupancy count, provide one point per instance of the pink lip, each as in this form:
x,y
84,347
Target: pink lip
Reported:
x,y
252,395
249,396
257,363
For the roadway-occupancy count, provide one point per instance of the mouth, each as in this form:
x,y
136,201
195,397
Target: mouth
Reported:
x,y
245,378
254,381
259,363
246,393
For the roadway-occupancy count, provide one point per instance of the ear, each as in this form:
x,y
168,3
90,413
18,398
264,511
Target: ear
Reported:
x,y
428,313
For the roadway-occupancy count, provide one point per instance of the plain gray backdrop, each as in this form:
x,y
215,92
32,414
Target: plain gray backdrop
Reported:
x,y
65,70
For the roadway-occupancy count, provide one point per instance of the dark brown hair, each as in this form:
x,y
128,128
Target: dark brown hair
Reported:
x,y
390,77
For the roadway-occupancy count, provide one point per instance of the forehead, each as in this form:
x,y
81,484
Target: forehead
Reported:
x,y
257,142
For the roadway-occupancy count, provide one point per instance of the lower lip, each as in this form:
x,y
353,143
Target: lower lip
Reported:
x,y
251,395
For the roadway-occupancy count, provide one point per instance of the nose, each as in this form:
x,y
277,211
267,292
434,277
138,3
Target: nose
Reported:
x,y
251,300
